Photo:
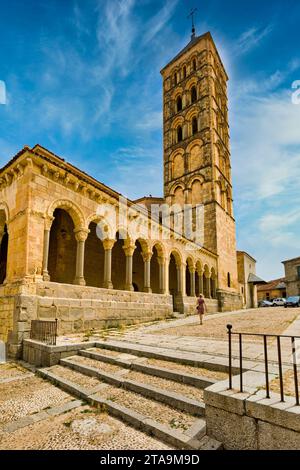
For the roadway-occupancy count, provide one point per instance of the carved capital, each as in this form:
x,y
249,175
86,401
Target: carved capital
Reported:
x,y
147,256
108,244
129,249
81,234
48,222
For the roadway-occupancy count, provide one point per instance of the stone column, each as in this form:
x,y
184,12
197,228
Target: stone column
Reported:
x,y
108,246
162,275
147,272
47,229
129,250
208,288
200,278
180,288
192,282
81,236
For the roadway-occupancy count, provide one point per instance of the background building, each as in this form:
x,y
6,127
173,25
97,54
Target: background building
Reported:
x,y
292,276
248,280
272,290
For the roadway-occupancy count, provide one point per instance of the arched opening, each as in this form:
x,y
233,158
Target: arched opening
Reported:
x,y
173,276
118,264
184,72
194,65
154,272
193,94
228,280
179,134
194,125
175,78
179,104
62,248
3,255
93,258
138,268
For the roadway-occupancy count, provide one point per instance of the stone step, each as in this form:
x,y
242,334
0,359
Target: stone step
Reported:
x,y
193,436
220,364
176,400
164,372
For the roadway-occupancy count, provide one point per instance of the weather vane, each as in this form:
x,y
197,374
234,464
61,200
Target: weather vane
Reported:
x,y
191,15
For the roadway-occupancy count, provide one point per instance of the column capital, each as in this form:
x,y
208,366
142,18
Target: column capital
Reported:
x,y
81,234
161,260
129,249
48,222
108,243
147,256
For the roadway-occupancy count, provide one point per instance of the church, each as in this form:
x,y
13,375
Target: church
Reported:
x,y
75,250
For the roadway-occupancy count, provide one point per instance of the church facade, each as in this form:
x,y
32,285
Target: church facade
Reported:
x,y
76,250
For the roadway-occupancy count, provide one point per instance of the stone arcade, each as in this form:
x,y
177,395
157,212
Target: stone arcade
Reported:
x,y
53,263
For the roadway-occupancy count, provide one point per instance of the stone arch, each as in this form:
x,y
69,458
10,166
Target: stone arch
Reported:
x,y
94,252
140,253
71,208
189,272
195,152
156,264
62,246
177,164
197,191
179,195
105,228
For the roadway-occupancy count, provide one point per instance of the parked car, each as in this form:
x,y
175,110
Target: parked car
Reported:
x,y
265,303
293,301
280,302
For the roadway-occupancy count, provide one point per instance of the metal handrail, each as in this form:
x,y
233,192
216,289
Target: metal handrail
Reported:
x,y
266,361
44,331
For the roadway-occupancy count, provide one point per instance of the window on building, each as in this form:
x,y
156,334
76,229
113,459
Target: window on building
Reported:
x,y
179,104
228,280
268,295
179,134
193,94
184,72
194,65
175,78
194,126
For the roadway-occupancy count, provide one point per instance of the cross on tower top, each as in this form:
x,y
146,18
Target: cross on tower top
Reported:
x,y
191,15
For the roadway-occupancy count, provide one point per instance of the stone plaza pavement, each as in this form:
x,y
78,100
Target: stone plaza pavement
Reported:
x,y
214,349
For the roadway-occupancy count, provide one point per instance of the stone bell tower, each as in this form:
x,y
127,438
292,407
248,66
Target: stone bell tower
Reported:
x,y
197,166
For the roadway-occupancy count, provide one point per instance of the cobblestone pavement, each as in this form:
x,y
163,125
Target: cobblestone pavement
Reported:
x,y
80,429
187,335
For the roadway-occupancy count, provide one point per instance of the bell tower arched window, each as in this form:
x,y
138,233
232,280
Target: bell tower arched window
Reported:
x,y
193,94
179,104
194,126
179,134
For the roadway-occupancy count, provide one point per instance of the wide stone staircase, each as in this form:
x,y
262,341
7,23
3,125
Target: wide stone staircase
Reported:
x,y
157,394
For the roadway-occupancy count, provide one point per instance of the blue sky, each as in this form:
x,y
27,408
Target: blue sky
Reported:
x,y
82,79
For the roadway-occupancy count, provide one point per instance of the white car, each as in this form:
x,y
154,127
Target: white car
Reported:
x,y
280,302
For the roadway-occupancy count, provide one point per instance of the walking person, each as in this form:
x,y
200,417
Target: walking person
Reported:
x,y
201,307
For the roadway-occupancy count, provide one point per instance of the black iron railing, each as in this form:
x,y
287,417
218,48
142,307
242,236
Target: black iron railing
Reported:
x,y
44,331
266,360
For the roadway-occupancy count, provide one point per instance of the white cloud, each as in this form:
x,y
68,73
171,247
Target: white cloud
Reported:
x,y
251,38
2,92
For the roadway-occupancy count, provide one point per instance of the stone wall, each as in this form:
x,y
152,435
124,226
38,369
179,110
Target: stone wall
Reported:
x,y
229,301
249,421
7,304
79,309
